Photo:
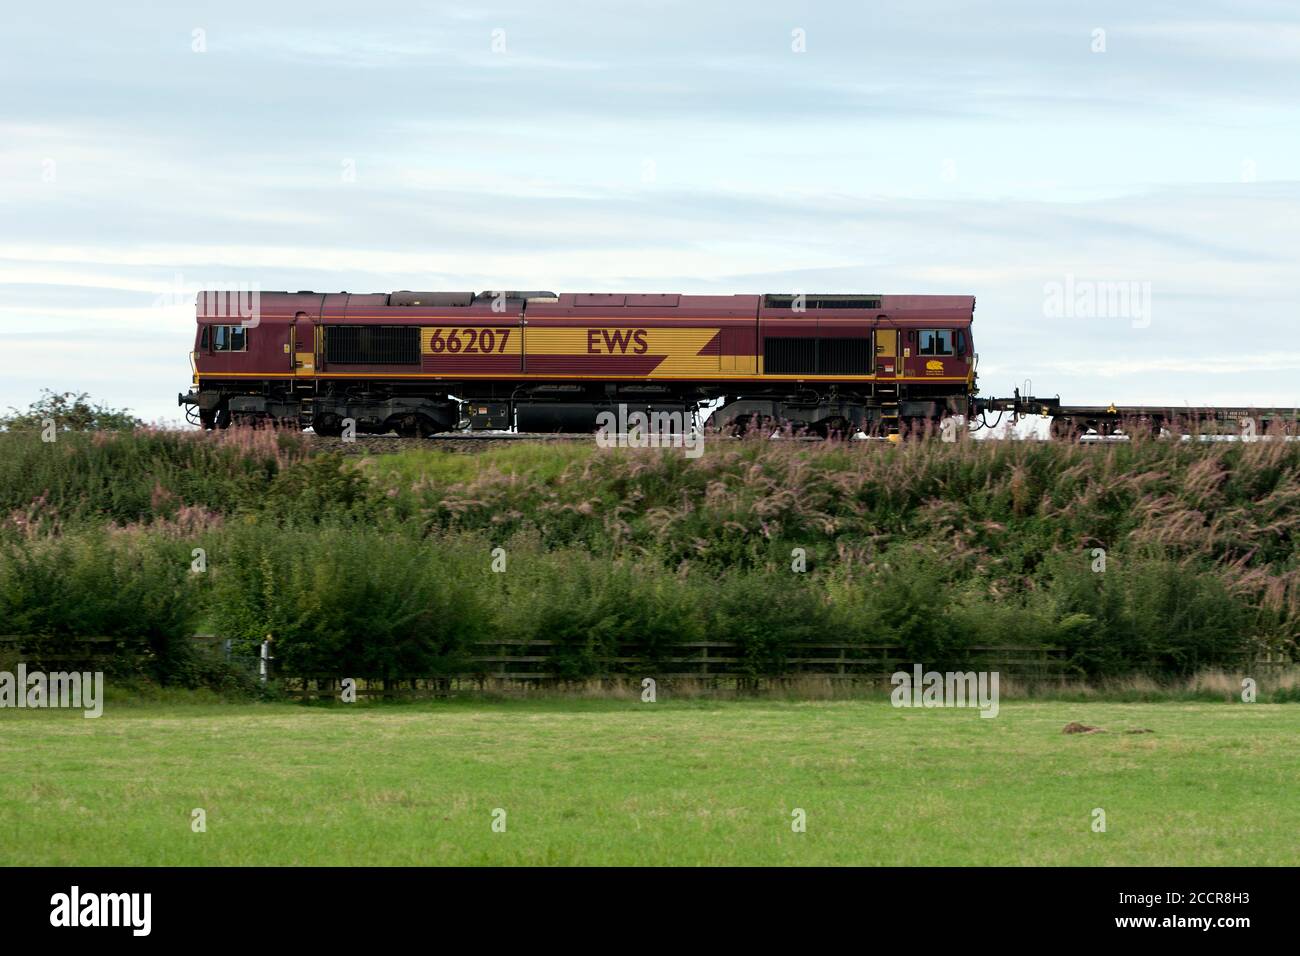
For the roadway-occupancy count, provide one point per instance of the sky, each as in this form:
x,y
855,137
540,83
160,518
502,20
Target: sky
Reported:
x,y
1118,183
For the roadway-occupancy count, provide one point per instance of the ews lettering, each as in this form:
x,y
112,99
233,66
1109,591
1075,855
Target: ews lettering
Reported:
x,y
609,341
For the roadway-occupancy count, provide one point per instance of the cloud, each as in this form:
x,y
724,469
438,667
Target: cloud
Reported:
x,y
934,147
1232,363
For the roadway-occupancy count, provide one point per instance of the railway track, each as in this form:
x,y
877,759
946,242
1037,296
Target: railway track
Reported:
x,y
444,441
472,442
479,441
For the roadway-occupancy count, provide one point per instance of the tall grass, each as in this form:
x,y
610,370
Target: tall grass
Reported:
x,y
382,563
140,475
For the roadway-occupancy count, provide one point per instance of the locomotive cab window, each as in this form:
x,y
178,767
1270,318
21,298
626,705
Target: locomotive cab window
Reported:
x,y
935,342
229,338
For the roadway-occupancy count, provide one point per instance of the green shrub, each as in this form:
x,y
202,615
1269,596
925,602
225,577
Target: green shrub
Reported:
x,y
767,614
597,611
348,603
321,489
1150,615
122,584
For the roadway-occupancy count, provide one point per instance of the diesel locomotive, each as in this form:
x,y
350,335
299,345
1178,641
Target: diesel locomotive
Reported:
x,y
418,363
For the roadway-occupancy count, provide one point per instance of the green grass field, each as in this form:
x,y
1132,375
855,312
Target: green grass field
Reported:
x,y
621,782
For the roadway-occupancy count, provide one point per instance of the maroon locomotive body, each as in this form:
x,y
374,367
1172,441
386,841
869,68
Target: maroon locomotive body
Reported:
x,y
424,362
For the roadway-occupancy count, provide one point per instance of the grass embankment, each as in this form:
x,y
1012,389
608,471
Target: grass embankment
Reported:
x,y
382,565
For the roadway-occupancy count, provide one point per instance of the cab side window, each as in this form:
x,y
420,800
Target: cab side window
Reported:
x,y
935,342
229,338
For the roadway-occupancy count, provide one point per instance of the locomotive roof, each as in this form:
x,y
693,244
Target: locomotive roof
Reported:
x,y
768,303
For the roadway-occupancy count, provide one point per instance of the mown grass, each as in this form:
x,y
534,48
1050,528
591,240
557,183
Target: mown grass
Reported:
x,y
676,782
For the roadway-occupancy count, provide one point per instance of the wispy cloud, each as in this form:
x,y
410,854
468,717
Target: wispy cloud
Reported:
x,y
931,147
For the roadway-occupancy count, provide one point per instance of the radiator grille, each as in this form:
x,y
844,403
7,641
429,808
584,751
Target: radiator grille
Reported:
x,y
372,344
811,356
790,356
844,356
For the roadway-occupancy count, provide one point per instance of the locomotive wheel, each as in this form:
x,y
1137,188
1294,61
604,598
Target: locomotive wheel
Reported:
x,y
837,427
739,426
414,426
327,425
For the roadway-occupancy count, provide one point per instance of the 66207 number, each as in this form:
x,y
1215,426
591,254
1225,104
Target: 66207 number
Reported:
x,y
460,341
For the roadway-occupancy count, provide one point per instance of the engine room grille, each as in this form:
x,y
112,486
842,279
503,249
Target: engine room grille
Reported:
x,y
776,301
844,356
372,344
812,356
790,356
